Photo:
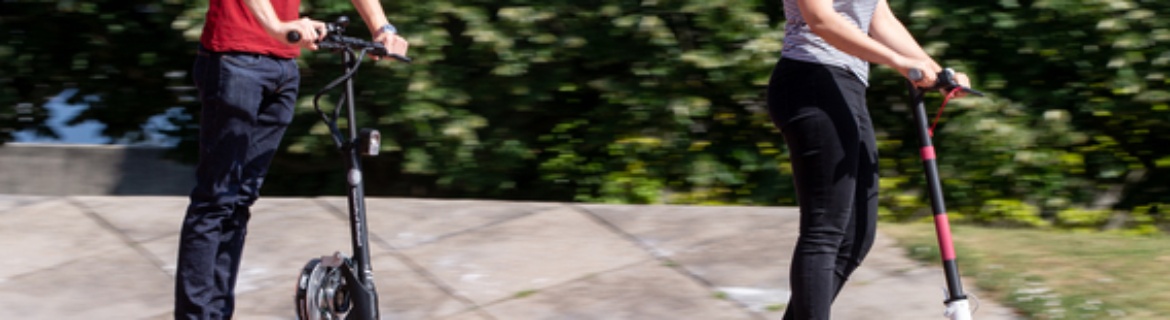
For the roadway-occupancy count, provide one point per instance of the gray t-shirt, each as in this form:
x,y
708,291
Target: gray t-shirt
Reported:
x,y
802,44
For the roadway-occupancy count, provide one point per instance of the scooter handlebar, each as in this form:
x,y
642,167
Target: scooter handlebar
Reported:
x,y
945,81
333,40
293,37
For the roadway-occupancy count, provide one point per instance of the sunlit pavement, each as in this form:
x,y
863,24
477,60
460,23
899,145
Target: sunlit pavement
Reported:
x,y
114,258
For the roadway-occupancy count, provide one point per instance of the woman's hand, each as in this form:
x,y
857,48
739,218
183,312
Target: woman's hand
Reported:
x,y
963,81
927,71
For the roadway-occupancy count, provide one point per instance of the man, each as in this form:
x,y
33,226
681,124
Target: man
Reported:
x,y
248,81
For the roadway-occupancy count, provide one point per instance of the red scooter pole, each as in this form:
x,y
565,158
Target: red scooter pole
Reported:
x,y
956,301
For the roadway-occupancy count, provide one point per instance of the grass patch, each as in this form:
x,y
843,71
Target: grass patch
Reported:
x,y
1048,274
524,293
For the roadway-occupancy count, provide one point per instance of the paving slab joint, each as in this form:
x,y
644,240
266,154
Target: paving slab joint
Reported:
x,y
109,226
664,259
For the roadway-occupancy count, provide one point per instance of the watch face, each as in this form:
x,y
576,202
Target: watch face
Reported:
x,y
389,28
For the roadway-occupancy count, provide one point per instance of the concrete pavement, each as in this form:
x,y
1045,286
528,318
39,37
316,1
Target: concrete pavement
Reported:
x,y
112,257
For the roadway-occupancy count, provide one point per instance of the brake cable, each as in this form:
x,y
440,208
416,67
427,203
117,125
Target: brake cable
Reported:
x,y
954,92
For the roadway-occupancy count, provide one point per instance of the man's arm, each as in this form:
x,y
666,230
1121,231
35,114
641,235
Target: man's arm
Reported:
x,y
310,30
372,12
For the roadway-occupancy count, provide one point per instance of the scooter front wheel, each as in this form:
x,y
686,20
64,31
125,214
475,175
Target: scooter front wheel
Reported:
x,y
321,292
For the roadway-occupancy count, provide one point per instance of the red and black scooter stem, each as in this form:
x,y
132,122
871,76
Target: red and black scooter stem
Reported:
x,y
941,223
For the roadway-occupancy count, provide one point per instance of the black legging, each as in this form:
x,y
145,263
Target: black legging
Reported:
x,y
822,114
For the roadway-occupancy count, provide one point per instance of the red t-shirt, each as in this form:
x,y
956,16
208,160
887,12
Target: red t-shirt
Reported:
x,y
231,27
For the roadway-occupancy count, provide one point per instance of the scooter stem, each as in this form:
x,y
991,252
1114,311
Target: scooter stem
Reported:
x,y
956,299
357,206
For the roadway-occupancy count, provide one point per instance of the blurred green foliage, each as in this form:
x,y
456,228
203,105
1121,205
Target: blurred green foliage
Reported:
x,y
658,101
127,60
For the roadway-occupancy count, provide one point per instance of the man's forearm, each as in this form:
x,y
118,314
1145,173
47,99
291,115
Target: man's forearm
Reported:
x,y
264,13
371,12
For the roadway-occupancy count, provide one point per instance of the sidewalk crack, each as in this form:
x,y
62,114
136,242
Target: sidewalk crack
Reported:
x,y
109,226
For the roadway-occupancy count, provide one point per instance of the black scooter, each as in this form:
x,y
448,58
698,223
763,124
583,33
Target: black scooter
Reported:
x,y
338,287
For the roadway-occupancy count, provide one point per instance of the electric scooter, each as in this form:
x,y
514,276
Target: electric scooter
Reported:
x,y
957,306
337,287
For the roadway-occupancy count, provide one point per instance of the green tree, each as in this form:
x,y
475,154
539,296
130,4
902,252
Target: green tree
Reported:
x,y
567,100
124,58
1088,74
655,101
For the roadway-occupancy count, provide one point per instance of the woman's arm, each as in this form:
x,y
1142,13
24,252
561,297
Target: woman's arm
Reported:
x,y
838,32
889,31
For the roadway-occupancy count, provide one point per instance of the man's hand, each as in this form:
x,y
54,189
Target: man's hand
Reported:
x,y
310,30
394,43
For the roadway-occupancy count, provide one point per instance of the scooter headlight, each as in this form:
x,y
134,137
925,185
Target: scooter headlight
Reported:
x,y
369,142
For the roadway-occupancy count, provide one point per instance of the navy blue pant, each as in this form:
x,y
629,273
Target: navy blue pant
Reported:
x,y
247,102
822,113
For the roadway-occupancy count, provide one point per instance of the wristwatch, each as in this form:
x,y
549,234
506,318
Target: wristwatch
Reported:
x,y
387,28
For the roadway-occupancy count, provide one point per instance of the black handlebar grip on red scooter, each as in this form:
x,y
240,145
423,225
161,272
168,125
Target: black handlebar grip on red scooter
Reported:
x,y
945,81
293,37
915,74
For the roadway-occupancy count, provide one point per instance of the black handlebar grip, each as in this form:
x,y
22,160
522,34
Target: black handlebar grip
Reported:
x,y
946,81
915,74
400,57
293,37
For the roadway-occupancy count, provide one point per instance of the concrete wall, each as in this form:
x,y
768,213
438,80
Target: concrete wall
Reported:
x,y
56,169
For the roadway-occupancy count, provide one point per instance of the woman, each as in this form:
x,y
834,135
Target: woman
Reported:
x,y
816,97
